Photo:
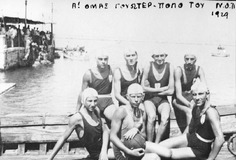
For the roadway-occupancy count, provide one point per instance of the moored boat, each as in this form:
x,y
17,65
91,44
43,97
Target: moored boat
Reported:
x,y
76,54
221,52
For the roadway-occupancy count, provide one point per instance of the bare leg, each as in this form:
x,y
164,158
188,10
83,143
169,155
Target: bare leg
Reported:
x,y
182,153
151,117
187,111
164,111
158,149
151,156
110,153
167,148
175,142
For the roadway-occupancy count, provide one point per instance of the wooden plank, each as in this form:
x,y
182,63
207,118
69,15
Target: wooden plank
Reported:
x,y
4,87
53,133
1,149
224,110
65,148
43,120
234,144
228,124
34,134
21,149
22,120
224,154
42,149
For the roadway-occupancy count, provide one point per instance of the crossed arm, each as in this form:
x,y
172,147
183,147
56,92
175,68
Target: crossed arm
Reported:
x,y
166,90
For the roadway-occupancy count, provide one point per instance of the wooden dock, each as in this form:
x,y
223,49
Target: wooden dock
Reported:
x,y
26,137
4,87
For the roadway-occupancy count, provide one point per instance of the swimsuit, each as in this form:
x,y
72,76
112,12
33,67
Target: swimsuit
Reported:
x,y
164,81
201,139
102,86
187,83
92,139
125,84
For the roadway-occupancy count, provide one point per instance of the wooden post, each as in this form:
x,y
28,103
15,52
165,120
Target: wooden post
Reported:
x,y
43,149
21,149
1,145
65,148
1,149
234,144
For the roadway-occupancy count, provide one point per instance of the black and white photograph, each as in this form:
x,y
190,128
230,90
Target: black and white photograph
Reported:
x,y
117,80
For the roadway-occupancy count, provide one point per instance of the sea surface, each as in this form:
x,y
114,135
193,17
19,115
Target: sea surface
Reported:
x,y
55,88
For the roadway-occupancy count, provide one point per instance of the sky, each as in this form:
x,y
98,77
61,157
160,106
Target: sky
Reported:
x,y
174,25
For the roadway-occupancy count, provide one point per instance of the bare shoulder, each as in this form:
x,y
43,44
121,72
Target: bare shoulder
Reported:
x,y
212,114
171,66
201,71
97,112
141,106
178,71
87,75
120,112
113,68
75,119
117,73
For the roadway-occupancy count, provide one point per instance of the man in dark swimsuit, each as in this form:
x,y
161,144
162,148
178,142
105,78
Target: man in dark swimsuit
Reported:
x,y
204,130
126,75
184,79
90,128
158,83
100,78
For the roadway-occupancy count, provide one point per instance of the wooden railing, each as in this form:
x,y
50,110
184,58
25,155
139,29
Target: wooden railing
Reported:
x,y
22,134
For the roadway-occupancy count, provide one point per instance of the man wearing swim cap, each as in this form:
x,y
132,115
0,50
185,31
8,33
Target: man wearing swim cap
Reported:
x,y
129,120
126,75
204,130
159,75
184,78
90,128
100,78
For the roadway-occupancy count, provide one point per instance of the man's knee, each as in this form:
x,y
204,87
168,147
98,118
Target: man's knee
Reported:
x,y
151,118
165,120
165,114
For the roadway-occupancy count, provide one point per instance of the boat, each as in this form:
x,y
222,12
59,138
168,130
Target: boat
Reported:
x,y
33,136
22,51
78,53
74,55
221,52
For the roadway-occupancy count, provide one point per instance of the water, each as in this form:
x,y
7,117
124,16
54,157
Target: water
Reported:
x,y
54,88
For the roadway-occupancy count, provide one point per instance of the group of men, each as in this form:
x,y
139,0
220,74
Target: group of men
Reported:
x,y
142,96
